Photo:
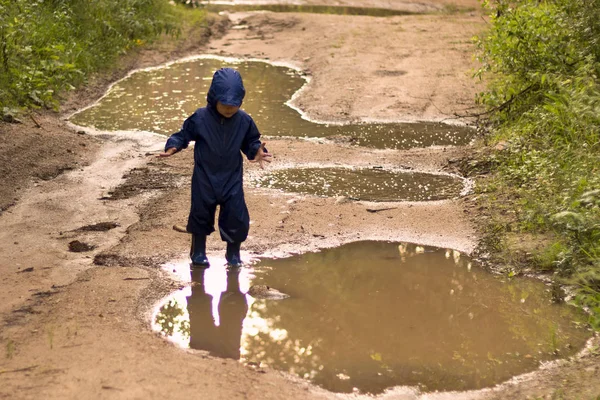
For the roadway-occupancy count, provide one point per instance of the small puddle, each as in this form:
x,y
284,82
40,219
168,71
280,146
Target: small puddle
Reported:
x,y
369,184
158,100
312,9
373,315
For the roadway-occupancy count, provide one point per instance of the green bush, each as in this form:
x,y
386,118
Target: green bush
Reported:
x,y
542,59
49,46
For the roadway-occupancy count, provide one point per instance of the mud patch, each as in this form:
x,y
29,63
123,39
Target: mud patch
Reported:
x,y
116,260
49,175
386,72
99,227
27,152
140,180
76,246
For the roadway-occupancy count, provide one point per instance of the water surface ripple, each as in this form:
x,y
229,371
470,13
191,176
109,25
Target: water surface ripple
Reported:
x,y
368,184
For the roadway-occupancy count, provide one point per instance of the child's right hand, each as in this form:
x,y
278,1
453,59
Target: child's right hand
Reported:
x,y
168,153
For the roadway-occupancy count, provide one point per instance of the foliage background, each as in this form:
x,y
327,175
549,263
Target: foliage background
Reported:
x,y
50,46
542,59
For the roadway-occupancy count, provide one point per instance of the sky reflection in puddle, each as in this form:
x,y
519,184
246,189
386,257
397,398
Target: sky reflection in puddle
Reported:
x,y
372,315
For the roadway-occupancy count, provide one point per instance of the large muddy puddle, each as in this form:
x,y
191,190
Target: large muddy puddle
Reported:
x,y
369,184
158,100
373,315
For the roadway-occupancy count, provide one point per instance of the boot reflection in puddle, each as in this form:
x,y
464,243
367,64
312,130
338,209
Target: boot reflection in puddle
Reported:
x,y
223,340
232,310
203,332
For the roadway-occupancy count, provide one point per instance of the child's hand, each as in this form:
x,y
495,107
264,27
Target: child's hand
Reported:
x,y
262,155
168,153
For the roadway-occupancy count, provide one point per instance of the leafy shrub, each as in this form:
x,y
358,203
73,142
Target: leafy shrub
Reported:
x,y
49,46
542,60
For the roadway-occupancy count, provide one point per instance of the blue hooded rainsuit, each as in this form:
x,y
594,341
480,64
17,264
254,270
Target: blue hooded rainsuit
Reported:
x,y
217,177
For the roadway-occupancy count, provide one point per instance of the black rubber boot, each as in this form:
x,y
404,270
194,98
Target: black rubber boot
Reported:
x,y
198,251
233,254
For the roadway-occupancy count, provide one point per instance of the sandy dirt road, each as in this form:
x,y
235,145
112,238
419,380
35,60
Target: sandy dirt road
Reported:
x,y
76,324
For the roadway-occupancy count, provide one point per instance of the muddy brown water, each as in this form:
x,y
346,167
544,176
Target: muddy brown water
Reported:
x,y
369,184
159,100
312,9
368,316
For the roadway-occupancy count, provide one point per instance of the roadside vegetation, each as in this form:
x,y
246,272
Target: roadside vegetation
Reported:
x,y
50,47
542,59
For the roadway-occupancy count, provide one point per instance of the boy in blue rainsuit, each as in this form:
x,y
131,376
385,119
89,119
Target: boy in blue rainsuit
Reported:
x,y
221,130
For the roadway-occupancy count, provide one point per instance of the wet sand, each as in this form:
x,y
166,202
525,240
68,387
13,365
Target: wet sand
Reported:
x,y
77,324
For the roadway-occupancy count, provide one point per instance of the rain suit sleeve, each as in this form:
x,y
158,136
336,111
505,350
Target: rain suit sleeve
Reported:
x,y
251,142
181,139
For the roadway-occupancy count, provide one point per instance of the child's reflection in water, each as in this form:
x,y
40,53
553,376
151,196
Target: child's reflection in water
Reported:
x,y
222,340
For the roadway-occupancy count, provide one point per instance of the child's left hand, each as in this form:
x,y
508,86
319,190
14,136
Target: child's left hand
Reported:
x,y
262,156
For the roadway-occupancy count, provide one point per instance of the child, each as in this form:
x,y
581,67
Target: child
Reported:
x,y
220,131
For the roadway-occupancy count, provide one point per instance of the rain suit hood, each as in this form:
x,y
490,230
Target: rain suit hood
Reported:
x,y
227,87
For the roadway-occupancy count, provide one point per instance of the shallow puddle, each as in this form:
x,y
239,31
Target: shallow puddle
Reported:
x,y
312,9
369,184
159,100
372,315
